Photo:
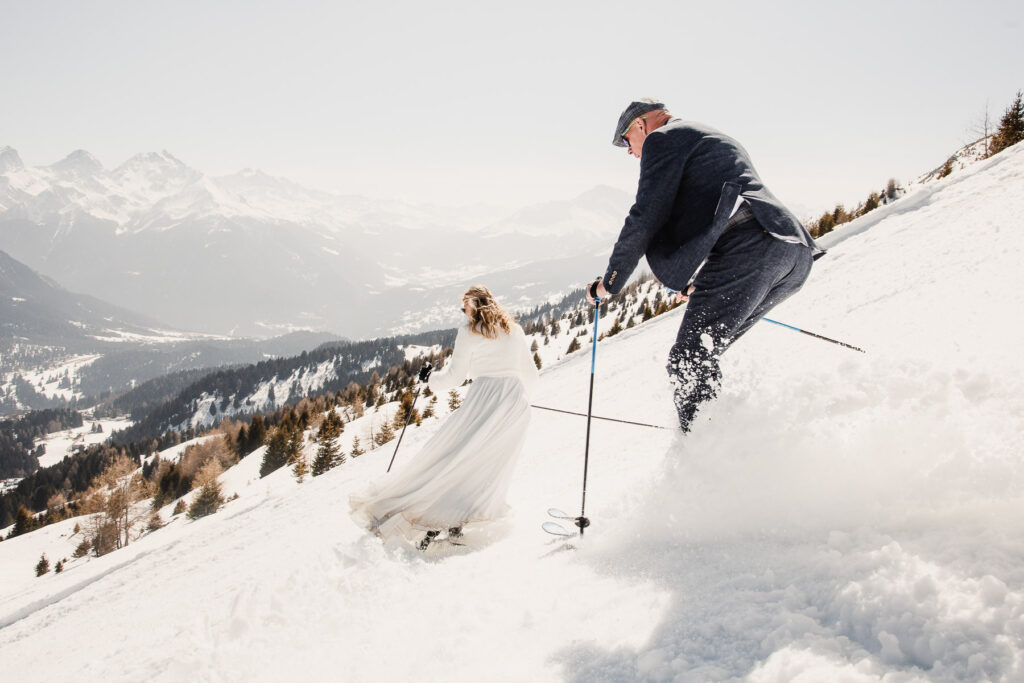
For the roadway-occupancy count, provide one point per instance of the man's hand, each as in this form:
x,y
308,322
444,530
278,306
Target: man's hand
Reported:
x,y
681,297
598,287
425,372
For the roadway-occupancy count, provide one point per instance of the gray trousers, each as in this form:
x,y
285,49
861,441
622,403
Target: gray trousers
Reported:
x,y
747,273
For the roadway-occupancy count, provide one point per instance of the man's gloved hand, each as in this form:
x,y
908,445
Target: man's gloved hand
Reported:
x,y
425,371
596,289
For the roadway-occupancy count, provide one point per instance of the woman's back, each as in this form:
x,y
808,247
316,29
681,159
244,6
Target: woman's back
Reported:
x,y
474,355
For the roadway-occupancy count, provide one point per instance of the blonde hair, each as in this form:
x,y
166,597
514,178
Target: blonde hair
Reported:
x,y
486,315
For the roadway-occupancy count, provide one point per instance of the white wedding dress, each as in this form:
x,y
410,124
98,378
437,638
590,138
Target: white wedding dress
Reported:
x,y
462,474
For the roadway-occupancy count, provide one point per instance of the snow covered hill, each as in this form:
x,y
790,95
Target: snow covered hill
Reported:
x,y
250,254
834,516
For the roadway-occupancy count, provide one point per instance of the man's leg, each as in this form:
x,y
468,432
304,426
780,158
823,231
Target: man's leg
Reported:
x,y
747,274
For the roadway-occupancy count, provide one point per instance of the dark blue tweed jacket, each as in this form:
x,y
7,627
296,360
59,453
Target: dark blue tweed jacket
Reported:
x,y
690,178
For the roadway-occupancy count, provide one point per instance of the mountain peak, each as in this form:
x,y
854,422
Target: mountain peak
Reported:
x,y
162,159
79,162
9,160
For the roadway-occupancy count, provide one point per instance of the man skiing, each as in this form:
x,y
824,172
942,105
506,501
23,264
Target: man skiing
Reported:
x,y
699,200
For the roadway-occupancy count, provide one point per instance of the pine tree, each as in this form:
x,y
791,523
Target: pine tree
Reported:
x,y
155,522
385,434
300,468
356,450
947,168
296,454
59,567
574,345
890,190
403,414
873,202
328,455
257,434
83,548
210,497
277,452
23,523
431,408
536,361
179,507
241,442
454,400
43,566
1011,126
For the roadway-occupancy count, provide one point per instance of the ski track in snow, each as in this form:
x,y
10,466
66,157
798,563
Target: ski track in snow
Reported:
x,y
833,516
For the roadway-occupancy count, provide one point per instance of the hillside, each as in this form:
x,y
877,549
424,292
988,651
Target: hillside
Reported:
x,y
833,516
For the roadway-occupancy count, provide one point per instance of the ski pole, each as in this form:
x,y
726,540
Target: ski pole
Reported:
x,y
812,334
582,522
598,417
408,418
791,327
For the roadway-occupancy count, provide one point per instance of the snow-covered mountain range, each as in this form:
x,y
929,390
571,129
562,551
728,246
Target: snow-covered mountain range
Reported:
x,y
250,254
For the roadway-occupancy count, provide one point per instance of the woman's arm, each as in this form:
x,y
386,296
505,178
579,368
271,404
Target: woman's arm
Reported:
x,y
527,366
455,371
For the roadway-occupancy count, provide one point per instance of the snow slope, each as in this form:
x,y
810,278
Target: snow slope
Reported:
x,y
834,516
59,445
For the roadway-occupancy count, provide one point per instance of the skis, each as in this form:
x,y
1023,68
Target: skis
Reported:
x,y
556,529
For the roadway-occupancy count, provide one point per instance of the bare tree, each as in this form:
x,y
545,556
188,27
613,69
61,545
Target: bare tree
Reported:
x,y
123,486
981,128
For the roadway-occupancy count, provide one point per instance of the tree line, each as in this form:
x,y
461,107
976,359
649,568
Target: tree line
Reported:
x,y
18,454
1009,132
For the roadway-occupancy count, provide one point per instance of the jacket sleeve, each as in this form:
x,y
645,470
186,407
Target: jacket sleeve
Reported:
x,y
456,370
661,170
528,368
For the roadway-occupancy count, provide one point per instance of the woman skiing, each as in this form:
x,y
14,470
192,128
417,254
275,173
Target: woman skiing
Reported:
x,y
463,472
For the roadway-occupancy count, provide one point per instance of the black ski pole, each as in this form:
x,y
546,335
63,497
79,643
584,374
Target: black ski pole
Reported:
x,y
598,417
582,522
424,376
408,416
812,334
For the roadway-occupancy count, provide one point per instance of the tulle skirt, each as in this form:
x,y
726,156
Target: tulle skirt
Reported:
x,y
462,473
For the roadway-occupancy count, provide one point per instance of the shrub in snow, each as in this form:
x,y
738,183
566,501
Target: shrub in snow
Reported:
x,y
43,566
83,548
210,497
454,400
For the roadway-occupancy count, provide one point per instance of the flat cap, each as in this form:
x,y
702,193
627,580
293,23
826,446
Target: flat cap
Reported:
x,y
635,109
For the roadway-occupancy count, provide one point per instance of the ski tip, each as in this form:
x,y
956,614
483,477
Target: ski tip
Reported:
x,y
556,529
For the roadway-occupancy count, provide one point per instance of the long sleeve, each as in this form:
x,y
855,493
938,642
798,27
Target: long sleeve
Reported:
x,y
456,370
528,368
661,170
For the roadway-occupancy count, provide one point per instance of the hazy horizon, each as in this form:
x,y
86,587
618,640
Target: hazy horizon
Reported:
x,y
463,103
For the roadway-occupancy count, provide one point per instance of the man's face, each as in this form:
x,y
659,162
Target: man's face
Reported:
x,y
635,135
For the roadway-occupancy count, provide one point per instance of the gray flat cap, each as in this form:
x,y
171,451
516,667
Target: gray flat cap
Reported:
x,y
635,109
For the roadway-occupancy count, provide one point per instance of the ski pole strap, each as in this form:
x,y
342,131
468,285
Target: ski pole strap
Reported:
x,y
812,334
598,417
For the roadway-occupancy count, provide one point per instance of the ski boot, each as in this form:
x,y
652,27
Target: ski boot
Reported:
x,y
431,535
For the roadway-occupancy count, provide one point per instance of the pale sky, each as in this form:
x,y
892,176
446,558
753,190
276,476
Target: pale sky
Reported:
x,y
512,103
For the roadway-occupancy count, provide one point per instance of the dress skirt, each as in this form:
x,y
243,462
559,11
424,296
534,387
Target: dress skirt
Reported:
x,y
461,475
